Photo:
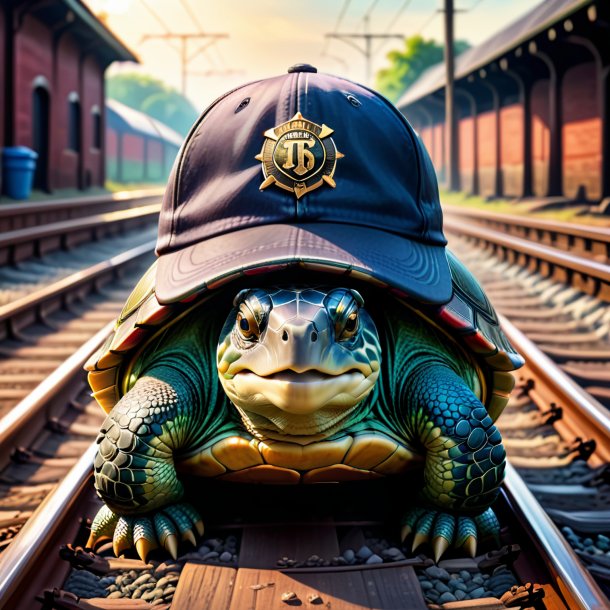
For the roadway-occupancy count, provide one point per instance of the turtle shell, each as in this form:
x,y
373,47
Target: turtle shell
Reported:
x,y
468,316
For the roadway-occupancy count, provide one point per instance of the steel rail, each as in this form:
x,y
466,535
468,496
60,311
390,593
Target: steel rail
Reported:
x,y
65,227
23,422
19,559
36,300
587,414
79,205
568,229
575,266
576,584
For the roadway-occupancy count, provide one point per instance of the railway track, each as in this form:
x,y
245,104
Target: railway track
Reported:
x,y
553,285
60,293
557,440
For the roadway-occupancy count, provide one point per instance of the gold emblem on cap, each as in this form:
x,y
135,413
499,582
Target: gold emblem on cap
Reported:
x,y
298,156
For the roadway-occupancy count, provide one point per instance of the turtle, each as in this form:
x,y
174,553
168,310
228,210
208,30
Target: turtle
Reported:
x,y
264,381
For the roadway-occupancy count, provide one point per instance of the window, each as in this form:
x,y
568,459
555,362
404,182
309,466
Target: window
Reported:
x,y
96,120
73,122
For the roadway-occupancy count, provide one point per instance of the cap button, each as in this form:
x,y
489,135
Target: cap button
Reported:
x,y
302,68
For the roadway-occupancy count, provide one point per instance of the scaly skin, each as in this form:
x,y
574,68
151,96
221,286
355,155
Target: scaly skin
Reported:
x,y
425,396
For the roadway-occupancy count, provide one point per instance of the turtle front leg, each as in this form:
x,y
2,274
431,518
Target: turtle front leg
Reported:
x,y
464,464
134,468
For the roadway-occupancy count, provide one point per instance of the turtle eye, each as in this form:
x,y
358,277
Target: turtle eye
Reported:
x,y
350,328
246,324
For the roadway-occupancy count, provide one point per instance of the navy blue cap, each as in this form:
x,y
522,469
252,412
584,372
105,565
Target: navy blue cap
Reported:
x,y
370,205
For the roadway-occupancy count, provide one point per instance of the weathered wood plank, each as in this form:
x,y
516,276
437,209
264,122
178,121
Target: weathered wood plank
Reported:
x,y
263,589
204,587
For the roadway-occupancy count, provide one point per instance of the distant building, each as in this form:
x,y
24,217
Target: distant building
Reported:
x,y
138,148
533,106
53,54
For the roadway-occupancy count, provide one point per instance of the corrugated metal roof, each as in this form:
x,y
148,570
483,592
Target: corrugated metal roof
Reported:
x,y
130,119
167,133
541,17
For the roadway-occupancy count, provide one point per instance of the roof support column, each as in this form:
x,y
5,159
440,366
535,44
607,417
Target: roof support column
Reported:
x,y
525,90
498,184
474,187
555,186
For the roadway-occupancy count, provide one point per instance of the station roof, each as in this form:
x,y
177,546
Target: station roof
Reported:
x,y
124,118
89,31
541,17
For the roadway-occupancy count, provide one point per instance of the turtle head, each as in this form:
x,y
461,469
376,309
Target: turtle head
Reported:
x,y
298,360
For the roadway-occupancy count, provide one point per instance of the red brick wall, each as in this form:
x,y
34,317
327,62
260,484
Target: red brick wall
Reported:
x,y
511,149
581,132
466,152
93,95
112,143
486,147
64,162
33,57
541,137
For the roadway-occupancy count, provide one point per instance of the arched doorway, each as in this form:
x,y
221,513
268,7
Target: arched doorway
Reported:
x,y
40,135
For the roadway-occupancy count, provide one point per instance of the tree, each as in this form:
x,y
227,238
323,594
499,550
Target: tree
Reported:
x,y
407,65
153,97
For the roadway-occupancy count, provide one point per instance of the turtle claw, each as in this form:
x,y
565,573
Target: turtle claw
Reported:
x,y
163,528
102,527
188,536
470,546
445,530
439,546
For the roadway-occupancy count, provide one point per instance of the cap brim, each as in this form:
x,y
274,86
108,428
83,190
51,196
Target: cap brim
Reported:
x,y
419,270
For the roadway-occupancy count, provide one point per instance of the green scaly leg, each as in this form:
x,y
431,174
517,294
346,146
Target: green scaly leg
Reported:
x,y
464,465
134,468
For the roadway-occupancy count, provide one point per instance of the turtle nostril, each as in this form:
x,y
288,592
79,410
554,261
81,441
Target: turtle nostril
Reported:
x,y
284,336
314,336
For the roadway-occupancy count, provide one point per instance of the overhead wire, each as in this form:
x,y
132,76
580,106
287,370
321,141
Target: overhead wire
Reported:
x,y
340,17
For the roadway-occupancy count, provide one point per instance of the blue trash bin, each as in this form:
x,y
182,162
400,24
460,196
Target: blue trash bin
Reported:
x,y
18,166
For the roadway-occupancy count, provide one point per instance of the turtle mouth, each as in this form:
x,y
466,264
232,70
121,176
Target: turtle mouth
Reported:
x,y
310,376
301,393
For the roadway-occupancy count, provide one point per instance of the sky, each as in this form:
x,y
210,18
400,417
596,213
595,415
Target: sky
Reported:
x,y
265,37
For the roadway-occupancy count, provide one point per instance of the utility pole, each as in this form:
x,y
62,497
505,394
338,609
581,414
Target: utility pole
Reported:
x,y
453,178
368,38
185,58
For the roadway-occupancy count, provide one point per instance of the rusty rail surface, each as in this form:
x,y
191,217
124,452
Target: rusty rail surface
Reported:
x,y
590,276
33,304
571,237
21,244
29,214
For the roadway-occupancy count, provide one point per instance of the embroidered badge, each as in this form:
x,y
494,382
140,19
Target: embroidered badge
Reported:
x,y
298,156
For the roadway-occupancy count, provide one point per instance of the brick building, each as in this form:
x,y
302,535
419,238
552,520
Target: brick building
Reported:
x,y
532,105
53,54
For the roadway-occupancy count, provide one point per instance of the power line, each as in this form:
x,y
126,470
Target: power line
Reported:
x,y
371,9
191,14
428,22
160,21
367,37
403,7
184,39
342,12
